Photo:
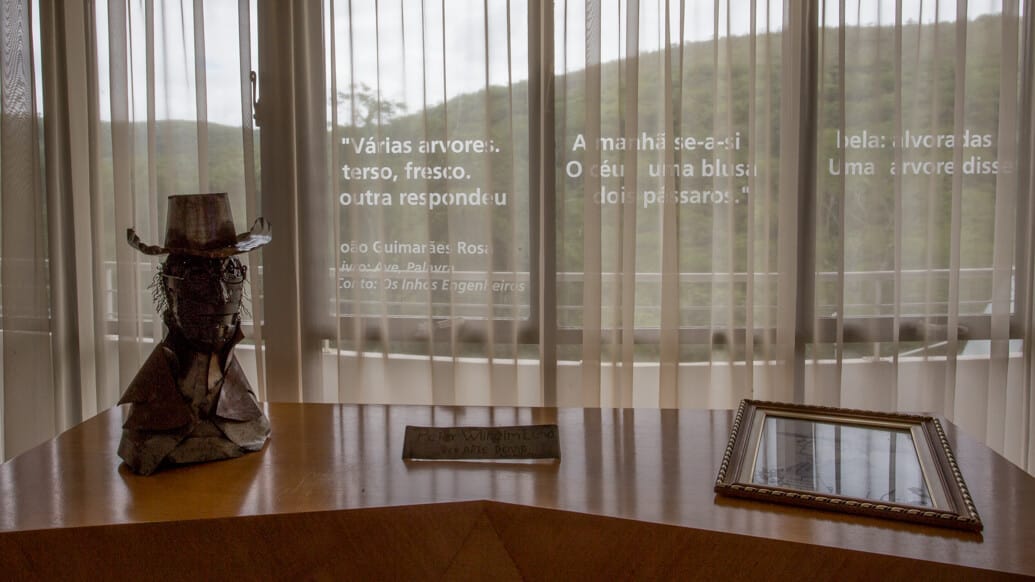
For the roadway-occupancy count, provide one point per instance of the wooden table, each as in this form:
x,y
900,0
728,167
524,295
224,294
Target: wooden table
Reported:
x,y
330,498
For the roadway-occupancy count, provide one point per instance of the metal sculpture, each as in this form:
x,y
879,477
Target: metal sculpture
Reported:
x,y
191,402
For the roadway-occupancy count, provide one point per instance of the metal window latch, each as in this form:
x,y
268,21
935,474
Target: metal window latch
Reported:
x,y
254,78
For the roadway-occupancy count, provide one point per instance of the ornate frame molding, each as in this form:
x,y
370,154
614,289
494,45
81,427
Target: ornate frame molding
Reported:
x,y
957,509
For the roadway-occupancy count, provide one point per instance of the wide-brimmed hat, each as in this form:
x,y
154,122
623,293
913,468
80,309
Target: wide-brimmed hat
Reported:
x,y
201,225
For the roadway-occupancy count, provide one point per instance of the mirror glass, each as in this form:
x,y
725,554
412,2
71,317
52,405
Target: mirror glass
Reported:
x,y
874,463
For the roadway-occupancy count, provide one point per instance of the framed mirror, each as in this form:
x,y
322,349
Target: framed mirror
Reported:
x,y
897,466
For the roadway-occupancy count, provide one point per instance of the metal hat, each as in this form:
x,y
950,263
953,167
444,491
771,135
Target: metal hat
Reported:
x,y
201,225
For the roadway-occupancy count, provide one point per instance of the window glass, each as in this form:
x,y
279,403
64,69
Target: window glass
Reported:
x,y
633,147
178,119
430,199
909,156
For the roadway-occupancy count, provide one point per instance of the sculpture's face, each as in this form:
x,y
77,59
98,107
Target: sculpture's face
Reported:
x,y
204,297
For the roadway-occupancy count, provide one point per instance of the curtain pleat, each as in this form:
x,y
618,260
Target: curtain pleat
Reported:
x,y
512,309
592,242
335,181
787,251
761,203
123,160
897,214
956,212
105,387
28,412
444,383
751,291
80,99
668,356
722,248
63,279
1004,237
346,88
627,226
1026,260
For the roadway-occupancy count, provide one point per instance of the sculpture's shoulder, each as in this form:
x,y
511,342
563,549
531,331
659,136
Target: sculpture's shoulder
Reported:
x,y
156,401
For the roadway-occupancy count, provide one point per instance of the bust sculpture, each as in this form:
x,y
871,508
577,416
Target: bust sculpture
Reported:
x,y
191,402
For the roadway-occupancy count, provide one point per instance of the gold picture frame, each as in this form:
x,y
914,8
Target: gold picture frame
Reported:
x,y
890,465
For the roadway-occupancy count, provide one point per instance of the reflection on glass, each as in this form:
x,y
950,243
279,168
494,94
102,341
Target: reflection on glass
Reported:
x,y
865,462
430,190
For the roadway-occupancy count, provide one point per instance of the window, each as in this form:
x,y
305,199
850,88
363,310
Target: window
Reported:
x,y
727,183
430,212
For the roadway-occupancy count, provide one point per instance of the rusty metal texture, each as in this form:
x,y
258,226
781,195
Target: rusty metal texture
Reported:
x,y
191,402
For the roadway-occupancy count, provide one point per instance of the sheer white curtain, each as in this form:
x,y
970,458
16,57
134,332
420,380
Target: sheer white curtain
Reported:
x,y
583,289
549,289
413,215
588,203
678,199
923,116
823,202
23,234
863,241
108,108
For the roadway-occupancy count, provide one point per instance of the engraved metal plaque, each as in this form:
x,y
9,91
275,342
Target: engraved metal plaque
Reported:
x,y
540,441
